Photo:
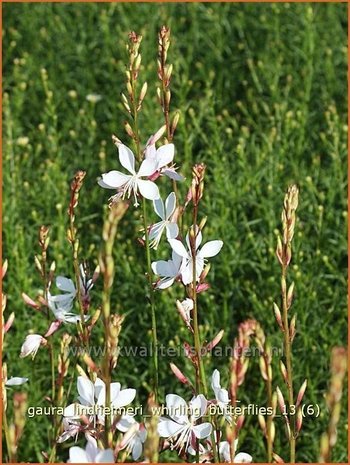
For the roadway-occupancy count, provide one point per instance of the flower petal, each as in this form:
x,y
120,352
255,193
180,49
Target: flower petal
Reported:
x,y
170,205
242,457
202,431
210,249
65,284
147,168
168,428
148,189
113,179
177,408
16,381
126,158
137,449
125,423
125,397
172,230
165,155
165,283
178,247
198,406
158,206
172,174
105,456
86,391
162,268
77,455
215,380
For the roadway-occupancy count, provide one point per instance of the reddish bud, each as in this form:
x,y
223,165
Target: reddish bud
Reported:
x,y
301,393
215,341
178,373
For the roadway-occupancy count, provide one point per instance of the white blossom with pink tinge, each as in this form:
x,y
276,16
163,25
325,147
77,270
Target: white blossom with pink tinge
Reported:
x,y
91,453
31,345
132,183
134,437
165,211
181,428
210,249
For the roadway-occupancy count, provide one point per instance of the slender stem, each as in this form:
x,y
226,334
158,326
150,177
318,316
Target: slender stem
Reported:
x,y
269,421
148,251
152,303
7,437
288,356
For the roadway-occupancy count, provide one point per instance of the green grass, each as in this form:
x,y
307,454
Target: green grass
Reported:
x,y
262,94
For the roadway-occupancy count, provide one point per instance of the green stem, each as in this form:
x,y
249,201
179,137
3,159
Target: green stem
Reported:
x,y
288,356
269,421
152,303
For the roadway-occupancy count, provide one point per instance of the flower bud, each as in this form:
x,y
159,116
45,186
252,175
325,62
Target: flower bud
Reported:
x,y
278,316
301,393
178,373
31,345
290,294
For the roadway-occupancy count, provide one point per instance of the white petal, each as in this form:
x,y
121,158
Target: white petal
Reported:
x,y
215,380
198,406
170,205
86,391
158,206
242,457
125,423
177,260
115,391
147,168
137,449
177,408
65,284
150,152
113,179
222,396
187,273
162,268
77,455
165,155
168,428
91,448
172,230
105,456
99,386
202,431
126,158
156,230
148,189
210,249
178,247
16,381
172,174
165,283
125,397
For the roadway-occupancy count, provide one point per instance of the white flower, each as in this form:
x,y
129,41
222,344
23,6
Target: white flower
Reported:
x,y
168,270
131,183
210,249
92,396
165,213
134,437
62,304
91,453
221,395
16,381
241,457
31,345
181,429
162,158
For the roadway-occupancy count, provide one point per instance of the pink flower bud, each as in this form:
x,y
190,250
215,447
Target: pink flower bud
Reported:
x,y
202,287
301,393
178,373
215,341
27,300
9,322
53,328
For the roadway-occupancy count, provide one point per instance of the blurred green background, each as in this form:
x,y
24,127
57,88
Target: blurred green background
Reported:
x,y
263,98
